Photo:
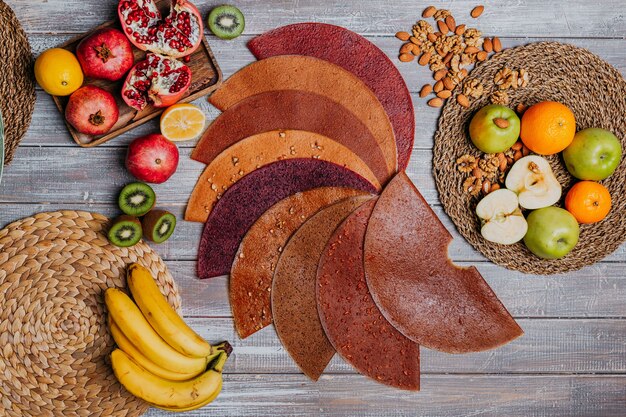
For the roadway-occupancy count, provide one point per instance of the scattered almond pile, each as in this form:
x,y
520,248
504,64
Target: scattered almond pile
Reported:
x,y
448,52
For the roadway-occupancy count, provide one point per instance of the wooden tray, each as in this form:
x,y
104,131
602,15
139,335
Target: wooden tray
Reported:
x,y
206,76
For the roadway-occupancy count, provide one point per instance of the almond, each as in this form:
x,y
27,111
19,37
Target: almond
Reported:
x,y
424,58
407,57
406,48
447,58
477,11
443,28
448,83
460,29
525,150
478,173
463,73
438,75
416,50
403,36
494,187
451,23
497,45
503,162
481,56
501,123
517,146
429,11
462,100
471,50
435,102
444,94
488,45
431,37
438,86
517,155
414,40
521,108
426,90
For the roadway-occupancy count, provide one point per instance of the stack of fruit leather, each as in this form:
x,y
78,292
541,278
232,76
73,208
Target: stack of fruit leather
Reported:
x,y
307,206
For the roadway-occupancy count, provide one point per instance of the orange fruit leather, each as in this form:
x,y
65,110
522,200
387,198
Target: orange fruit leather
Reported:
x,y
548,127
588,201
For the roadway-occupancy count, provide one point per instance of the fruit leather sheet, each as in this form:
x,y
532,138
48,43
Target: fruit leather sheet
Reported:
x,y
416,287
294,304
261,149
295,110
353,53
313,75
251,275
243,203
351,319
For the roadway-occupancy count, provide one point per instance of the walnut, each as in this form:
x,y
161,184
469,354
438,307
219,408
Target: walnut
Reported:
x,y
436,63
500,97
466,163
473,38
489,163
441,14
523,78
473,88
472,185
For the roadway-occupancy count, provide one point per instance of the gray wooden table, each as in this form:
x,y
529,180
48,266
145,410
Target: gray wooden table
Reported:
x,y
570,362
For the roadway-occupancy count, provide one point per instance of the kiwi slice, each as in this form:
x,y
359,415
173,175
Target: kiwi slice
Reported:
x,y
125,231
226,22
158,225
136,199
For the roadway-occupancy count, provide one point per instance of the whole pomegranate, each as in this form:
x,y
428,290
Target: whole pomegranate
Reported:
x,y
106,54
177,35
91,110
159,81
152,158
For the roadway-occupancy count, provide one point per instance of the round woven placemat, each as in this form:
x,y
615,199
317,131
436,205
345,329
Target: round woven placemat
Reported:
x,y
54,343
17,83
596,93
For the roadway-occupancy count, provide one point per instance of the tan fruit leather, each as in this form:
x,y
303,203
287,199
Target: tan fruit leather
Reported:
x,y
351,319
251,275
293,110
259,150
416,286
294,304
303,73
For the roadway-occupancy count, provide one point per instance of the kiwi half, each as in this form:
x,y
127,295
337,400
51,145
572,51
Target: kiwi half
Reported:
x,y
136,199
125,231
158,225
226,22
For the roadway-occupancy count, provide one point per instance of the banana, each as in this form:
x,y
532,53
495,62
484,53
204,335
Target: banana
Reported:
x,y
124,344
195,407
163,318
136,328
179,395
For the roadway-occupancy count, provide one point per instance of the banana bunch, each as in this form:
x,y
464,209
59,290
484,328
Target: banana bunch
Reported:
x,y
159,358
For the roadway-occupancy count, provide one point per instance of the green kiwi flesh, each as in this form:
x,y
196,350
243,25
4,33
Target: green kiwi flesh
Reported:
x,y
136,199
226,22
158,225
125,231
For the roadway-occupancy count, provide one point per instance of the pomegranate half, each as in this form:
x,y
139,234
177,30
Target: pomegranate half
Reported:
x,y
158,81
177,35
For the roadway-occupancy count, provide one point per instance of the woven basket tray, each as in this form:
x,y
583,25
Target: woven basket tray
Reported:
x,y
596,93
54,343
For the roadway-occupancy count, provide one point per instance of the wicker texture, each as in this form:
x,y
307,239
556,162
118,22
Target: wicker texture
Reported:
x,y
17,83
54,342
596,93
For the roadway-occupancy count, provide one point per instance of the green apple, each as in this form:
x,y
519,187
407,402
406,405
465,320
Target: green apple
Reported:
x,y
552,232
594,154
494,128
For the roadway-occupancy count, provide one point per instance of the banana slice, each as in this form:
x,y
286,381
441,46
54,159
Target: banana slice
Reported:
x,y
534,182
502,220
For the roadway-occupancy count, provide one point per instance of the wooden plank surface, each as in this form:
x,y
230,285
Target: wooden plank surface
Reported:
x,y
571,360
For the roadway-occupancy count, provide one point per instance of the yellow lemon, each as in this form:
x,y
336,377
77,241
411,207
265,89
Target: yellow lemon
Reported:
x,y
58,72
182,122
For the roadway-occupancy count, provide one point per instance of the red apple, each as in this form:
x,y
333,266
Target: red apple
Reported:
x,y
152,158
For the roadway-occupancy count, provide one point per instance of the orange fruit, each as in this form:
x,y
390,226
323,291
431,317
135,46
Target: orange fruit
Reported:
x,y
588,201
548,127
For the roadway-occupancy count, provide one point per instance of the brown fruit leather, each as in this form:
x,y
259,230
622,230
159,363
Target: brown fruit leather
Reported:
x,y
293,110
313,75
417,288
251,275
294,304
351,319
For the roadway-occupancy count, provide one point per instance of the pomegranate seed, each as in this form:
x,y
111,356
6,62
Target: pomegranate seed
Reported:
x,y
187,58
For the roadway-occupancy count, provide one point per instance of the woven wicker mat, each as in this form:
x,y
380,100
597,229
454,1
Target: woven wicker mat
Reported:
x,y
596,93
54,343
17,84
